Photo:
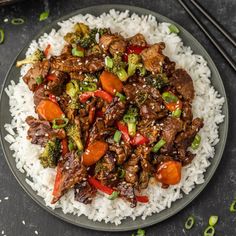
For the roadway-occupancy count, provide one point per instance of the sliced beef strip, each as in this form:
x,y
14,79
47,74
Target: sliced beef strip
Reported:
x,y
153,57
40,94
168,67
99,130
40,132
187,114
39,69
170,128
185,139
122,151
144,179
68,63
114,112
148,129
131,168
147,98
137,40
84,192
183,84
126,191
72,172
105,170
113,43
56,85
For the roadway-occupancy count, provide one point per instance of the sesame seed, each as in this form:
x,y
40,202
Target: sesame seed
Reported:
x,y
6,198
23,222
36,232
3,232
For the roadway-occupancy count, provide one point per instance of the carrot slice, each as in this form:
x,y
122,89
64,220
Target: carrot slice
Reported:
x,y
49,110
110,82
169,172
94,152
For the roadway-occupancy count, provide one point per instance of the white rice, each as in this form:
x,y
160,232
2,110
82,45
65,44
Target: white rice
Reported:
x,y
207,104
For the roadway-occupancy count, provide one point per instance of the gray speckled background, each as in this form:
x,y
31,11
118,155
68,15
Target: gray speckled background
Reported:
x,y
217,196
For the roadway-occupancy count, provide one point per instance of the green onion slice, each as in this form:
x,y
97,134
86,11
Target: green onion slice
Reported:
x,y
141,232
189,222
158,145
122,74
117,136
77,53
59,123
43,16
71,145
108,62
17,21
1,36
177,113
114,195
196,142
213,220
88,86
233,206
121,172
209,231
169,97
121,96
39,80
173,29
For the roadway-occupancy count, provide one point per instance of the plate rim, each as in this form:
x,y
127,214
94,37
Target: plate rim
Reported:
x,y
194,192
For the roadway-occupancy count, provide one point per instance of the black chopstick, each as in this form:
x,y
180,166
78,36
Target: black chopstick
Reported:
x,y
214,22
209,35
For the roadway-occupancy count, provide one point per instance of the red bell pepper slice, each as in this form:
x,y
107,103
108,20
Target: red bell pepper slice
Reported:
x,y
133,49
100,186
139,139
98,93
51,77
143,199
52,98
47,50
124,130
64,146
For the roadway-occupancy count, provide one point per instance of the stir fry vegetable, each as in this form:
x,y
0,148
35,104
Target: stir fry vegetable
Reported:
x,y
33,58
94,153
49,110
209,231
110,83
213,220
130,118
117,136
135,64
73,131
44,15
196,142
233,206
169,172
51,153
158,145
1,36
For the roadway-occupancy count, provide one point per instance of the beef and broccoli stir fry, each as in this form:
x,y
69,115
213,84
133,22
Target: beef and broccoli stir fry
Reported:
x,y
113,112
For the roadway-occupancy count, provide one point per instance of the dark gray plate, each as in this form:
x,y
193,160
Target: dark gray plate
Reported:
x,y
13,74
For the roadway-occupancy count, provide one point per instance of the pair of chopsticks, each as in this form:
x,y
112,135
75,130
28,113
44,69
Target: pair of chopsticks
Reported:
x,y
207,33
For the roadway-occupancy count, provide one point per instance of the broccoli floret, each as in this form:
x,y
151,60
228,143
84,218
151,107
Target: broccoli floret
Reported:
x,y
134,63
33,58
51,153
130,118
81,28
73,131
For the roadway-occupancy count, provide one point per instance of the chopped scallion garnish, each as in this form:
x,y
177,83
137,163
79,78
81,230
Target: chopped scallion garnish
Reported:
x,y
59,123
158,145
39,80
114,195
173,29
176,113
209,231
169,97
122,74
108,62
121,96
196,142
117,136
141,232
213,220
43,16
233,206
189,222
77,53
17,21
1,36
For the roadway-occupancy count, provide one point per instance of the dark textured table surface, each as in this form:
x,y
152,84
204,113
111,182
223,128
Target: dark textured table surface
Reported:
x,y
221,190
